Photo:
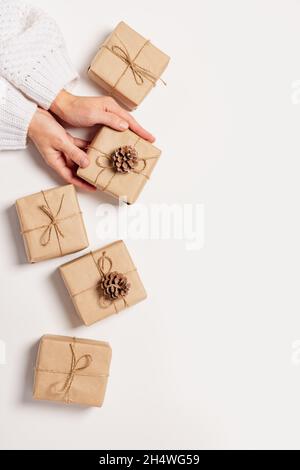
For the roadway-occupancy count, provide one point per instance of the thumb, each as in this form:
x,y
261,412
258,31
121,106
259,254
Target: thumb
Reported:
x,y
75,154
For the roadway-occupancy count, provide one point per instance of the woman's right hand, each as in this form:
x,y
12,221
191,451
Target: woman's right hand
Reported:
x,y
61,151
87,111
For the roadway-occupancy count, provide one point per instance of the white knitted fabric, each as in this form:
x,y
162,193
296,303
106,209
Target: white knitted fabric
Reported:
x,y
33,59
16,112
33,55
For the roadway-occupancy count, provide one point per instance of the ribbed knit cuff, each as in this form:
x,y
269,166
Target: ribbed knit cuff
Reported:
x,y
48,77
16,112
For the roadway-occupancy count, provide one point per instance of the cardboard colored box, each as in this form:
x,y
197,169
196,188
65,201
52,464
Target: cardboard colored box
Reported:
x,y
72,370
101,173
127,66
51,223
84,275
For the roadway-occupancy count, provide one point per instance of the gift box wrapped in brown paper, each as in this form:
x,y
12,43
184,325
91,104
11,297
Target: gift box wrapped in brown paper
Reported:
x,y
127,66
103,282
72,370
51,223
120,163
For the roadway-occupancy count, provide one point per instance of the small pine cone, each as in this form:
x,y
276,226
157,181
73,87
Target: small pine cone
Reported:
x,y
124,159
114,285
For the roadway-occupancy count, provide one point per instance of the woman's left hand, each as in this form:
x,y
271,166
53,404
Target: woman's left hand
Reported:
x,y
61,151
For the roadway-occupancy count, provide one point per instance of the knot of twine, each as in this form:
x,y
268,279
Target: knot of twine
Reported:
x,y
104,271
45,237
101,264
109,165
53,224
75,367
139,73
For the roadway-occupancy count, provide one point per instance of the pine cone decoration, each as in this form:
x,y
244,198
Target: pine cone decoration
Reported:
x,y
114,285
124,159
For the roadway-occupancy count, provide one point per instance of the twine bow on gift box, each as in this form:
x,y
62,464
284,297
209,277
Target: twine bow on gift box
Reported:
x,y
75,370
112,286
54,223
105,162
139,73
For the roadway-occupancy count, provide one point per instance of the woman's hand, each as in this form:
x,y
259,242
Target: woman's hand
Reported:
x,y
60,150
86,111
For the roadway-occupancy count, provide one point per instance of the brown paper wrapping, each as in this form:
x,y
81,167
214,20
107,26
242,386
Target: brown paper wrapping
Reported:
x,y
82,277
128,185
53,371
116,77
35,221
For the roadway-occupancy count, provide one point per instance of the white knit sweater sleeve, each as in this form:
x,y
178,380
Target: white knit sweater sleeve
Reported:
x,y
33,55
16,112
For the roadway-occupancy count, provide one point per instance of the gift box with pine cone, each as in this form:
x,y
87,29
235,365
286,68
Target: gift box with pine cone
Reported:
x,y
127,66
51,223
120,163
72,370
103,282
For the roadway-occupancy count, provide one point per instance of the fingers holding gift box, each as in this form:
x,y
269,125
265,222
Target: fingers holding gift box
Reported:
x,y
51,223
103,282
128,66
72,370
120,163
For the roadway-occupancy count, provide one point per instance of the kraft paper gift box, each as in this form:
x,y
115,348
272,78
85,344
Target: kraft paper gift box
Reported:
x,y
72,370
51,223
127,66
102,173
103,282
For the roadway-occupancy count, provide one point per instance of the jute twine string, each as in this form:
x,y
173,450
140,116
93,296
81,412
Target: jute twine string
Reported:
x,y
75,369
53,224
104,303
109,165
139,73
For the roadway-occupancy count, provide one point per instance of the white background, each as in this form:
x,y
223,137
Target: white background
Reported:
x,y
208,360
